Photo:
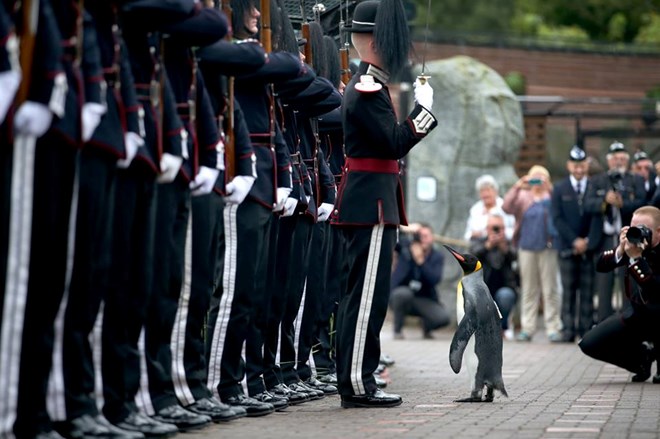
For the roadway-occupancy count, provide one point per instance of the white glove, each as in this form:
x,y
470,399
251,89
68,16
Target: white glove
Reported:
x,y
9,82
423,94
91,117
324,211
33,119
290,205
282,194
238,188
204,181
169,167
132,142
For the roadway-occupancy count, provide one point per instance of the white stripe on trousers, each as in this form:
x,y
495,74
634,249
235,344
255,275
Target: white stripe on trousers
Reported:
x,y
297,323
96,340
228,288
143,397
18,264
178,338
362,323
56,402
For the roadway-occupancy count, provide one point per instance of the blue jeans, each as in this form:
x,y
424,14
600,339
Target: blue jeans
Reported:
x,y
505,298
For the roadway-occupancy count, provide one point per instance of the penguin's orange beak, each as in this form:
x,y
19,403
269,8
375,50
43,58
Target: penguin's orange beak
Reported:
x,y
459,257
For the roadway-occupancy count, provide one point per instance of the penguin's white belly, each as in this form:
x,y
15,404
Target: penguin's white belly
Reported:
x,y
470,359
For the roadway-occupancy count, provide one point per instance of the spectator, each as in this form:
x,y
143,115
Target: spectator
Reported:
x,y
490,203
623,339
575,247
612,197
643,166
498,258
529,201
418,270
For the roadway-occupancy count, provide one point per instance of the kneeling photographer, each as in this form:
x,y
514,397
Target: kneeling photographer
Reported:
x,y
625,339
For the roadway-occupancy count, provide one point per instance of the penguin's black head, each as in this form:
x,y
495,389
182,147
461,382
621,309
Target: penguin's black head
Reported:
x,y
469,263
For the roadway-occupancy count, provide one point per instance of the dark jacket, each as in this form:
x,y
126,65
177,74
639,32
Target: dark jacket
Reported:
x,y
570,219
642,279
429,274
372,131
497,266
631,188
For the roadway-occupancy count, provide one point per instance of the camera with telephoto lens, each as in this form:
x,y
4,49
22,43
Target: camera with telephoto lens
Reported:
x,y
497,229
416,237
616,180
638,234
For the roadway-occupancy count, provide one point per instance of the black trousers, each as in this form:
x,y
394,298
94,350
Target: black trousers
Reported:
x,y
189,366
232,312
404,302
295,288
285,262
129,286
262,294
54,174
604,282
363,307
577,303
315,290
337,275
618,339
89,283
172,213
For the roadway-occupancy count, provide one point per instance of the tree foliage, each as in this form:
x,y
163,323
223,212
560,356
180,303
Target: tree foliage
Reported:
x,y
596,20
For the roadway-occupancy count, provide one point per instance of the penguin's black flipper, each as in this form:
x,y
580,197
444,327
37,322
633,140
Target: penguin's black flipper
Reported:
x,y
463,333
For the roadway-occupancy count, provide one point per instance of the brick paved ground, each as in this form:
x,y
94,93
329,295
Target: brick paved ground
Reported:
x,y
554,392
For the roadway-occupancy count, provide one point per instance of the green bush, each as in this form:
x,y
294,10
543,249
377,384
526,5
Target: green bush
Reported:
x,y
516,82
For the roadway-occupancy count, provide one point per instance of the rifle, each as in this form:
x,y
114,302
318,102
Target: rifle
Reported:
x,y
304,28
228,118
266,32
29,25
343,42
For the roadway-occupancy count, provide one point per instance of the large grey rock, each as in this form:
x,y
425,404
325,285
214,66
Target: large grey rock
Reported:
x,y
480,130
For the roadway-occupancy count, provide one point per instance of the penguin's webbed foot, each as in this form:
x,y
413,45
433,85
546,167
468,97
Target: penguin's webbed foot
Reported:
x,y
473,399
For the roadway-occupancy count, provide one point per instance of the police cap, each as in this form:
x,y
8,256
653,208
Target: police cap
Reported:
x,y
640,155
617,146
577,154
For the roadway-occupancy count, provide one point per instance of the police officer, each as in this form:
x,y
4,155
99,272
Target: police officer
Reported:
x,y
612,198
574,247
369,204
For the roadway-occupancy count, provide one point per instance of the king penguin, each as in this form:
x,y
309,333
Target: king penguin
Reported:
x,y
479,330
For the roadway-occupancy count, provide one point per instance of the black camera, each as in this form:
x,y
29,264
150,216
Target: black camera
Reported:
x,y
496,229
638,234
416,237
616,180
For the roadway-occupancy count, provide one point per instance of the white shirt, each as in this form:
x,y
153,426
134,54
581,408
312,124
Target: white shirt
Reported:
x,y
478,219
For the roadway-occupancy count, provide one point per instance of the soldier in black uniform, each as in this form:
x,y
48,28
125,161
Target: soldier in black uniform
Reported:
x,y
242,307
134,223
71,397
167,317
622,339
56,195
369,204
